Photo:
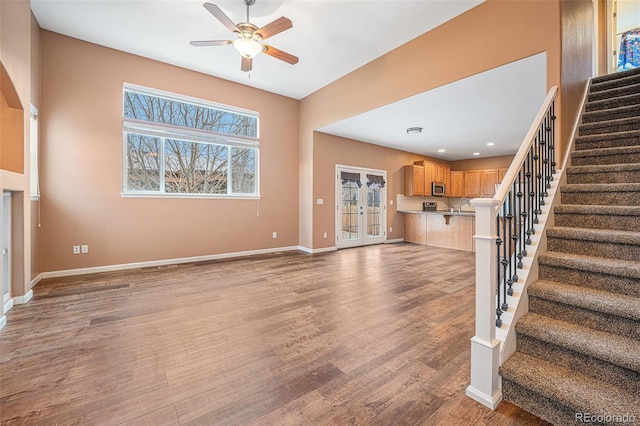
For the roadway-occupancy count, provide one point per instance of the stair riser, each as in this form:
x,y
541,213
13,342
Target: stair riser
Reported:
x,y
594,248
619,83
612,103
607,141
604,177
575,314
586,365
601,198
611,114
599,281
534,403
604,159
607,127
620,223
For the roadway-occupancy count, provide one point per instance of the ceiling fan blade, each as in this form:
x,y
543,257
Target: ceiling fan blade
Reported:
x,y
220,16
246,64
279,25
279,54
199,43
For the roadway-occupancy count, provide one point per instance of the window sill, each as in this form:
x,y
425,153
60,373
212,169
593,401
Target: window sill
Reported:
x,y
192,196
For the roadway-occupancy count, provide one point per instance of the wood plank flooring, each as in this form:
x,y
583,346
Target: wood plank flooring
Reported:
x,y
373,335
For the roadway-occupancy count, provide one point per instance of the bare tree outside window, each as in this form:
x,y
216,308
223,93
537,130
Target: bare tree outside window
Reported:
x,y
180,165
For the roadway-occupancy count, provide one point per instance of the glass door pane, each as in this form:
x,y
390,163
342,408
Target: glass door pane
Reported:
x,y
350,211
374,211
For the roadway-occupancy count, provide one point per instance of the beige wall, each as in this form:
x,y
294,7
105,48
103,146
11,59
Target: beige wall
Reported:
x,y
501,162
490,35
577,64
36,66
15,61
81,175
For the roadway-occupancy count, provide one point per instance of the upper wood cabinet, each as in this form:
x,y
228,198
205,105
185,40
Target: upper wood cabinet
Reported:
x,y
473,183
489,181
456,188
414,180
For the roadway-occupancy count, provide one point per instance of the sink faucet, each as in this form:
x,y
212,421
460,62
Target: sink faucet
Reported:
x,y
466,200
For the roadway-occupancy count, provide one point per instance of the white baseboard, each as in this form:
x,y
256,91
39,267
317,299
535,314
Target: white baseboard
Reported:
x,y
318,250
491,401
21,300
7,306
36,280
165,262
395,240
3,321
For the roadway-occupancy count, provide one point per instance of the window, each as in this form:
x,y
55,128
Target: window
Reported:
x,y
184,146
33,156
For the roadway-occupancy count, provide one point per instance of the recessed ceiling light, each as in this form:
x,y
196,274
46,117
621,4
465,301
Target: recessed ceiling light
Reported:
x,y
491,143
414,130
476,153
441,150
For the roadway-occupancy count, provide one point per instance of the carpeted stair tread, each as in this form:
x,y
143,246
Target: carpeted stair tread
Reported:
x,y
629,138
625,111
577,392
597,210
602,156
608,347
601,187
616,76
609,126
622,268
587,298
615,102
589,234
620,80
613,92
605,168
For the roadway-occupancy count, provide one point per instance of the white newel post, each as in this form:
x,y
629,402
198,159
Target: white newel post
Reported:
x,y
485,384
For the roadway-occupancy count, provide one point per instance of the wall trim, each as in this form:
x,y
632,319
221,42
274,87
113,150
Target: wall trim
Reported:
x,y
165,262
491,401
36,280
318,250
7,306
21,300
3,321
395,240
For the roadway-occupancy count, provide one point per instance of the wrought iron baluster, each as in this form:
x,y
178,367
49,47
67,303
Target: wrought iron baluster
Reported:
x,y
498,305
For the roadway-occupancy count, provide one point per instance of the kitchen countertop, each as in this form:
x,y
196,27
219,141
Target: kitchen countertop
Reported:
x,y
442,212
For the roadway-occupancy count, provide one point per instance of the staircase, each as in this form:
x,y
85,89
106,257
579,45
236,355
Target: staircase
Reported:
x,y
578,348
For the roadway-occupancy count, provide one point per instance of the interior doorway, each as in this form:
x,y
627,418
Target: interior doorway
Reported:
x,y
5,250
623,35
360,206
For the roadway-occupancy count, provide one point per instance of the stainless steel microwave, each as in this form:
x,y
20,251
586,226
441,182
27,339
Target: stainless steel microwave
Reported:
x,y
437,189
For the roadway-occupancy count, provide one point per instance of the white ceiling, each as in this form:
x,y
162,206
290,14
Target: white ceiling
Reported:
x,y
332,38
496,106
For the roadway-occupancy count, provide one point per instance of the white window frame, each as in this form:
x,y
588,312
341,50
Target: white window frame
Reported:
x,y
167,131
34,137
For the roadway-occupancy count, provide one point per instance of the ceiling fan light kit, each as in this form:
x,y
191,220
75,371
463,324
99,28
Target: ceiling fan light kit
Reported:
x,y
248,43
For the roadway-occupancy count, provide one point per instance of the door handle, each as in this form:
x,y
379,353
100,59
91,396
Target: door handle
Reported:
x,y
5,251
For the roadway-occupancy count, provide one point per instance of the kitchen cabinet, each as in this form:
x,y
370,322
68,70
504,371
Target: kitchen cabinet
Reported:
x,y
434,172
440,229
489,182
456,188
501,173
414,180
473,183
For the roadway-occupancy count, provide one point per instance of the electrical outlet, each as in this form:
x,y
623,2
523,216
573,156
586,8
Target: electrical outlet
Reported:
x,y
76,249
325,235
84,249
275,235
391,229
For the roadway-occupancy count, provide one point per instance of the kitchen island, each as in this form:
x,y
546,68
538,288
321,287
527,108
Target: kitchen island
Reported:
x,y
440,228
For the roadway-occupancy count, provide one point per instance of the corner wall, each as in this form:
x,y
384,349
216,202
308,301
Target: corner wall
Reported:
x,y
492,34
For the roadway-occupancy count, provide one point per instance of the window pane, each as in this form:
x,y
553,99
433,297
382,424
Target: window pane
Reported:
x,y
167,111
350,214
143,163
195,168
243,170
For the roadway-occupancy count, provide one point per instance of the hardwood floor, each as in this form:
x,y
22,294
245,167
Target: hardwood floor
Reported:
x,y
372,335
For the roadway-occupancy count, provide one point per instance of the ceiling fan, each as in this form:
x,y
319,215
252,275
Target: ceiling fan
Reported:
x,y
250,37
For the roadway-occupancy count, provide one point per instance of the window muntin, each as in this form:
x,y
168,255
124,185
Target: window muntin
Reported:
x,y
187,146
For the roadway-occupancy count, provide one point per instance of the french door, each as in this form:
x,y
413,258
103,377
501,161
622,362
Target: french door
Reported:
x,y
360,206
5,249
